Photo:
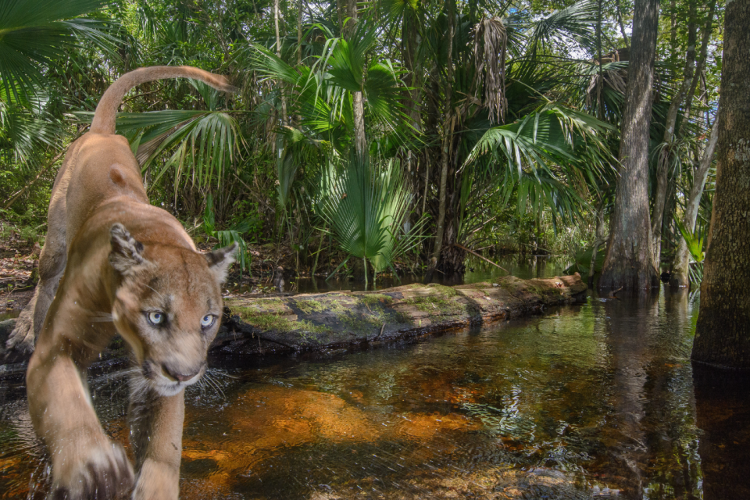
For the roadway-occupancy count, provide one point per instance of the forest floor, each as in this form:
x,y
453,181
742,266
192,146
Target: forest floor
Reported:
x,y
19,260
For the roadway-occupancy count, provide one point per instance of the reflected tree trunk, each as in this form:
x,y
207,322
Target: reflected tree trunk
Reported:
x,y
722,334
629,341
722,409
629,261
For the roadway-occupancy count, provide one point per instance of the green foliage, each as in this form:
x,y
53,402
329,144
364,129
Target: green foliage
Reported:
x,y
366,205
522,178
34,33
694,242
228,236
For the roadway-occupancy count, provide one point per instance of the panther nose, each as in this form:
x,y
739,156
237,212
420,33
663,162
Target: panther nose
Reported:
x,y
177,375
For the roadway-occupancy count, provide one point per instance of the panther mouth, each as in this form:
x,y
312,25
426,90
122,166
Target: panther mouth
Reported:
x,y
167,381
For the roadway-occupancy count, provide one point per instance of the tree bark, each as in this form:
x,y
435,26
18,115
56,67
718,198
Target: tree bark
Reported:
x,y
299,32
662,173
276,15
629,261
622,25
681,263
358,106
446,143
599,241
722,335
707,30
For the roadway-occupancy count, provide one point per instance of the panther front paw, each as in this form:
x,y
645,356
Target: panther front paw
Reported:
x,y
104,473
20,342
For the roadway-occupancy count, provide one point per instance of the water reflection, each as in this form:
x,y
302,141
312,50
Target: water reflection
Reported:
x,y
522,266
589,401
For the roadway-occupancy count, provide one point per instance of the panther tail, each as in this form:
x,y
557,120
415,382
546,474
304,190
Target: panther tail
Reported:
x,y
106,111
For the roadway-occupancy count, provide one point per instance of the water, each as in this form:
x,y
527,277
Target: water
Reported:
x,y
589,401
522,266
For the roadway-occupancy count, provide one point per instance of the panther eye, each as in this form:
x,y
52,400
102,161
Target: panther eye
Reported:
x,y
207,320
155,318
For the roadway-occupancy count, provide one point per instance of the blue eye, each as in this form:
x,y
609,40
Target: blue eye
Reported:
x,y
155,318
207,320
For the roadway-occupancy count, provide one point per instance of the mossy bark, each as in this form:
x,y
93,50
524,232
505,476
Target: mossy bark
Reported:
x,y
340,319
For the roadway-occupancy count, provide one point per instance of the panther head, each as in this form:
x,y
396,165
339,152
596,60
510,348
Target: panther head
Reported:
x,y
167,306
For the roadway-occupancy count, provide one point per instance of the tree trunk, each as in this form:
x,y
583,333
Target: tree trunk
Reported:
x,y
722,335
629,261
599,241
622,25
662,173
707,30
358,106
446,142
680,265
276,16
299,32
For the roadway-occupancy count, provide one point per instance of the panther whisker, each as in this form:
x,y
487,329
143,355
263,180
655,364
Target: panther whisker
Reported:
x,y
217,372
215,384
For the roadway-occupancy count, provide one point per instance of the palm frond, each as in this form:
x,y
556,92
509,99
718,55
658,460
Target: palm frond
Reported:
x,y
366,207
34,32
573,25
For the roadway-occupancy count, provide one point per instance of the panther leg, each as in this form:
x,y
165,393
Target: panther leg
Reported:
x,y
21,339
85,463
156,435
52,262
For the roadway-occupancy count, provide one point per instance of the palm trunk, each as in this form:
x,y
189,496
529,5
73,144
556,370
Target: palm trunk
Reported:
x,y
299,32
681,263
722,336
358,107
360,140
446,147
276,15
629,261
662,173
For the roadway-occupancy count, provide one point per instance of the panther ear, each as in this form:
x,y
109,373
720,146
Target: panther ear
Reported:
x,y
126,252
220,260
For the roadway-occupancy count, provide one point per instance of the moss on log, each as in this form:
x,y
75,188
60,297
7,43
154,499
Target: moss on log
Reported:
x,y
339,319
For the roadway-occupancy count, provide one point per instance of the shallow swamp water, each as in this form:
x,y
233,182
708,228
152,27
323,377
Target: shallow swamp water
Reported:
x,y
590,401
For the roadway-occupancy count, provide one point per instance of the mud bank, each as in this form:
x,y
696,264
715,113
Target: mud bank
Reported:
x,y
318,322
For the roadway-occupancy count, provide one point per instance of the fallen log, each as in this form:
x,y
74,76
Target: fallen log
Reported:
x,y
310,322
317,322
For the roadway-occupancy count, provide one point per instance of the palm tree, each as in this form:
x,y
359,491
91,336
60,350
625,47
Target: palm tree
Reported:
x,y
366,206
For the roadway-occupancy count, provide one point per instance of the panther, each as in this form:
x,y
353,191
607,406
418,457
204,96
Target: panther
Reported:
x,y
113,263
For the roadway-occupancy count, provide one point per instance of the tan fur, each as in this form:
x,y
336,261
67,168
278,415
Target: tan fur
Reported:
x,y
110,259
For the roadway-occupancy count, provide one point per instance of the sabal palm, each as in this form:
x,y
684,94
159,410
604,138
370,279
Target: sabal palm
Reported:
x,y
366,206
